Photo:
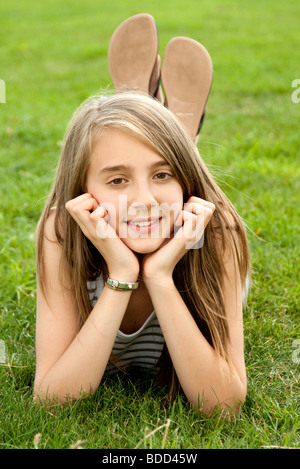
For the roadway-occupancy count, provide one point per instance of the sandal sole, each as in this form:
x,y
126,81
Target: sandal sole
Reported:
x,y
132,53
186,75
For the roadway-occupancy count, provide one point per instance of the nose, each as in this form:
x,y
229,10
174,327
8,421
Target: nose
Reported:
x,y
142,198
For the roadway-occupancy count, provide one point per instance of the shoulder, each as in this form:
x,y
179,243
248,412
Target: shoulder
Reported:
x,y
49,247
49,233
230,238
47,226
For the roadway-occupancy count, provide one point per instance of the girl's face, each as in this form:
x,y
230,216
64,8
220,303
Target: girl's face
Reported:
x,y
137,188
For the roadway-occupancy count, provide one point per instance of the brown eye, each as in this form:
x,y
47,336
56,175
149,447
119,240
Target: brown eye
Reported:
x,y
162,176
117,181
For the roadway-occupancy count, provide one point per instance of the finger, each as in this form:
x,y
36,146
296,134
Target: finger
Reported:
x,y
80,209
192,226
197,208
185,224
82,202
198,200
105,230
100,212
78,199
193,207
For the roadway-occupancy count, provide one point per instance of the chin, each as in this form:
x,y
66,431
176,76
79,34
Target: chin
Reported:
x,y
144,246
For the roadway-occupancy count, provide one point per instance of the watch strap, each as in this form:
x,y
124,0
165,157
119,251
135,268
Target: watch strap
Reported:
x,y
121,286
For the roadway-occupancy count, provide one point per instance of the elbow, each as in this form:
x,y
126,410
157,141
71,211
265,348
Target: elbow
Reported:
x,y
230,403
57,395
240,394
228,407
233,399
42,395
50,398
234,405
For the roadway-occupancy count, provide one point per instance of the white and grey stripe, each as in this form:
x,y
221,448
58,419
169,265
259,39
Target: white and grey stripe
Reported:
x,y
140,349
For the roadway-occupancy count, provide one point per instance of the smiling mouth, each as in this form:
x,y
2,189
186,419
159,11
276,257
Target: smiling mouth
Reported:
x,y
143,222
144,225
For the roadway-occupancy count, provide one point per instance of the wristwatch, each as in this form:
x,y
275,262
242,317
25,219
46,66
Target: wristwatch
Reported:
x,y
121,286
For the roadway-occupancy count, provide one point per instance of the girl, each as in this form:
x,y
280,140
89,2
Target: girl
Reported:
x,y
141,260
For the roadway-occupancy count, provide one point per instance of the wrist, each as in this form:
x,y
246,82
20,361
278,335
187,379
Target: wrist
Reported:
x,y
121,276
121,285
165,281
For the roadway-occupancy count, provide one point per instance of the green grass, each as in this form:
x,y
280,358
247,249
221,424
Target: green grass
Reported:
x,y
52,56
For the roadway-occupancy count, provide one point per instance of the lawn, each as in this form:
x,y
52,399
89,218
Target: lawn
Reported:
x,y
53,55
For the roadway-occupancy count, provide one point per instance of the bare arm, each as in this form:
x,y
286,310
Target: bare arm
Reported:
x,y
71,361
204,375
70,358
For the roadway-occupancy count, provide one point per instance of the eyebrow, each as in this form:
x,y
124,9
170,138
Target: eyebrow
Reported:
x,y
128,168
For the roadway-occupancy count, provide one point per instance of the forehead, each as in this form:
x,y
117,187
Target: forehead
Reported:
x,y
113,147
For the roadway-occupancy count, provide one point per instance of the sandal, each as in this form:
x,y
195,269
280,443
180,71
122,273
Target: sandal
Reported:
x,y
133,54
186,76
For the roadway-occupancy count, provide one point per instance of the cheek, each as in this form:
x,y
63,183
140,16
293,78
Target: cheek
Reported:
x,y
174,198
106,200
173,203
93,189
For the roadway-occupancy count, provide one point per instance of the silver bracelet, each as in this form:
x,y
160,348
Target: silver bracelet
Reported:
x,y
121,286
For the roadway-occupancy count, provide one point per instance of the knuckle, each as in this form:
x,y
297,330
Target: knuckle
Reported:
x,y
75,209
68,205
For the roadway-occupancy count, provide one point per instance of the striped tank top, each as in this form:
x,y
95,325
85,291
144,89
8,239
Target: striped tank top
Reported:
x,y
140,349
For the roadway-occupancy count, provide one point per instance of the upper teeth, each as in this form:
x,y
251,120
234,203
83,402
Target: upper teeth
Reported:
x,y
142,223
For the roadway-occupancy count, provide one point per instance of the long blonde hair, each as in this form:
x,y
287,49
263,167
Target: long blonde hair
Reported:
x,y
199,274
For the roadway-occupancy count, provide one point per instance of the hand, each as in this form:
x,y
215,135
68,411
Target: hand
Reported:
x,y
189,232
93,220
